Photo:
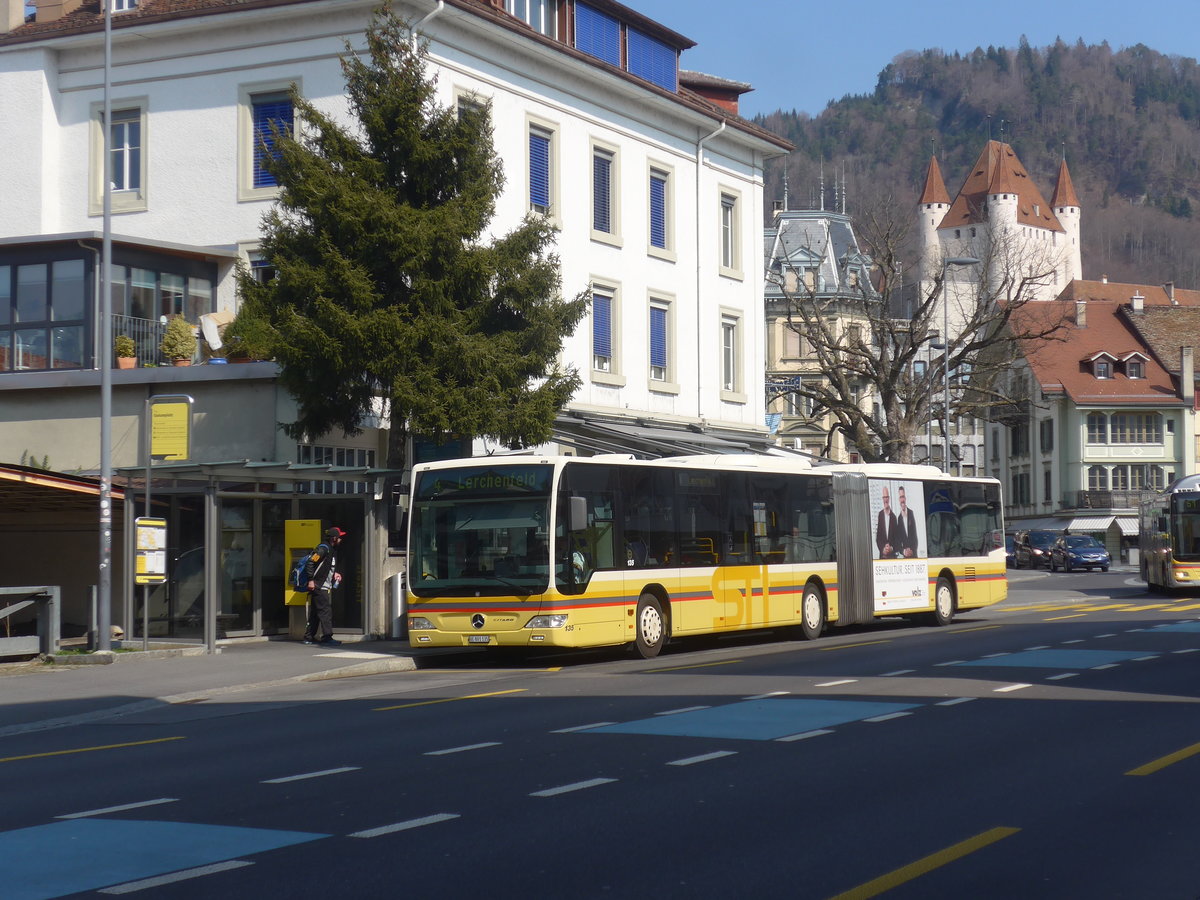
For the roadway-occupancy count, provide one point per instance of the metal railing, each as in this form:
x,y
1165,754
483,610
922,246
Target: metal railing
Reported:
x,y
47,600
1104,499
147,334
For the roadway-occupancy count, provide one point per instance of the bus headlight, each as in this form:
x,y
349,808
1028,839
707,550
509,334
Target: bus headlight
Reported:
x,y
555,621
419,623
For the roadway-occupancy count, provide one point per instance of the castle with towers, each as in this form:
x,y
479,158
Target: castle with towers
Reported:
x,y
1001,218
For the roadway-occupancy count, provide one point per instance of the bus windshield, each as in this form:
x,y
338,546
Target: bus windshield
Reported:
x,y
1186,526
480,531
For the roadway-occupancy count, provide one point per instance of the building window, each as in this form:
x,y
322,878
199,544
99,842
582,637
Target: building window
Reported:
x,y
540,15
730,249
597,34
652,59
793,343
1097,478
659,342
123,5
730,353
269,113
1103,368
541,170
660,216
260,270
605,178
1046,433
1136,428
262,108
43,310
1047,482
1097,428
1020,439
354,457
602,332
1134,369
127,154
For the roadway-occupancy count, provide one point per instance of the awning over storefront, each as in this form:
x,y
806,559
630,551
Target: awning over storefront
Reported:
x,y
1043,524
1128,525
1091,523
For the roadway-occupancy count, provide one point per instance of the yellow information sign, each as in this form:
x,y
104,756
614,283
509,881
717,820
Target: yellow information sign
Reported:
x,y
170,428
300,536
150,561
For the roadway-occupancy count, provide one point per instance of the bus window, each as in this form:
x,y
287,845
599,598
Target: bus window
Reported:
x,y
579,553
647,519
702,539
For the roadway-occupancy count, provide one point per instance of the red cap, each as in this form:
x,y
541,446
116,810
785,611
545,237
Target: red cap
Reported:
x,y
334,532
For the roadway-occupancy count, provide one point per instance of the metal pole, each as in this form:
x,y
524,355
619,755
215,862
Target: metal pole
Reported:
x,y
104,601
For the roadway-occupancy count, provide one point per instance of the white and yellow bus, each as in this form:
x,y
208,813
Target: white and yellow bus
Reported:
x,y
1169,536
590,552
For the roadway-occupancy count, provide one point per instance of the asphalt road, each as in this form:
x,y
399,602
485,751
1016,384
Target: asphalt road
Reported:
x,y
1048,747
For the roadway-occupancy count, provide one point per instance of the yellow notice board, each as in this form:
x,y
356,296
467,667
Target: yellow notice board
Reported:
x,y
299,536
150,560
171,428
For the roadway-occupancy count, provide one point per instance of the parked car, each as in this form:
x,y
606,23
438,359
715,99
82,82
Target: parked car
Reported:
x,y
1010,549
1033,548
1079,551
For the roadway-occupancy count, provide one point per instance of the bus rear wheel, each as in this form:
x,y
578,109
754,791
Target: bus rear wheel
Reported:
x,y
943,602
812,612
651,627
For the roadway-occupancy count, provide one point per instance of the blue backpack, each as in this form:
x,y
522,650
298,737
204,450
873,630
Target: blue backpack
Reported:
x,y
299,580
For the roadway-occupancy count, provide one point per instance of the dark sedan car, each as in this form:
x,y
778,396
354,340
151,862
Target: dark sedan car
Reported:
x,y
1033,548
1079,551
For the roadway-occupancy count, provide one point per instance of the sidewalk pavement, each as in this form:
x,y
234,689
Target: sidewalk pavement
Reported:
x,y
36,696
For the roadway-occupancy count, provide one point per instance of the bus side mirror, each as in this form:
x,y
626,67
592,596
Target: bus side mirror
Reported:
x,y
578,514
1162,523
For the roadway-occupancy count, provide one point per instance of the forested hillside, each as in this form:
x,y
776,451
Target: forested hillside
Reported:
x,y
1128,121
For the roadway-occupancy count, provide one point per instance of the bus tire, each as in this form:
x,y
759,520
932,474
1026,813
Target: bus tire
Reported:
x,y
943,602
651,627
812,612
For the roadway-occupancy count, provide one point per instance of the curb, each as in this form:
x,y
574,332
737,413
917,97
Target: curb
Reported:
x,y
108,657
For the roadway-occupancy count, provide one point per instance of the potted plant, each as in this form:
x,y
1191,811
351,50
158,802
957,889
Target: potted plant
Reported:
x,y
248,337
178,342
125,350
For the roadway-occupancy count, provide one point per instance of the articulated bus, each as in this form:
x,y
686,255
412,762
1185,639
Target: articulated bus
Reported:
x,y
607,550
1169,536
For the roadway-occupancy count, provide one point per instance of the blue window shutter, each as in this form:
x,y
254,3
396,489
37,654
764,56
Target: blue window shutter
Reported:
x,y
267,113
539,171
658,212
602,325
658,337
653,60
602,193
597,34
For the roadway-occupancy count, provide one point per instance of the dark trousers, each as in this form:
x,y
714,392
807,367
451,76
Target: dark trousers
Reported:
x,y
320,613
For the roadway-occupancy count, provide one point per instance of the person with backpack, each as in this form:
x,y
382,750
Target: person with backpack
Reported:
x,y
321,576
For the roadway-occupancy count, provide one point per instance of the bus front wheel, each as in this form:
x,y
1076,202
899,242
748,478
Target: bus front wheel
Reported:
x,y
943,602
812,612
651,627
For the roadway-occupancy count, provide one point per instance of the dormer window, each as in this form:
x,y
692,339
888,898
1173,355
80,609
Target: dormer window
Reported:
x,y
123,5
540,15
1103,368
1135,368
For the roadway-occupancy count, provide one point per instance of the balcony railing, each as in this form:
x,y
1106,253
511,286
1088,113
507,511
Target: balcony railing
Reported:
x,y
147,334
1104,499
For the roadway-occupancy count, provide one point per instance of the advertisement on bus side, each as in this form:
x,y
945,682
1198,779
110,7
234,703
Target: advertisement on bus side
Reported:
x,y
901,545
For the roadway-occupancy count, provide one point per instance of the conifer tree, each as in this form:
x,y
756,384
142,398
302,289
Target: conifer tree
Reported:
x,y
388,294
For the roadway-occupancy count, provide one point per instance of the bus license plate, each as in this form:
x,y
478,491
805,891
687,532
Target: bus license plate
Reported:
x,y
479,638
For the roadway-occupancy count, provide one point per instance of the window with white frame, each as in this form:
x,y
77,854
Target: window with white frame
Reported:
x,y
602,331
127,154
605,178
793,342
541,170
730,352
354,457
1103,368
660,341
1097,428
661,237
1136,428
540,15
1135,368
123,5
262,110
730,236
1097,478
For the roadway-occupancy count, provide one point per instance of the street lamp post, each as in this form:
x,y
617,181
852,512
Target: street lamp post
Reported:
x,y
946,264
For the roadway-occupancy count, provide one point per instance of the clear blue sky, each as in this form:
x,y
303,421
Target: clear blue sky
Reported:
x,y
800,55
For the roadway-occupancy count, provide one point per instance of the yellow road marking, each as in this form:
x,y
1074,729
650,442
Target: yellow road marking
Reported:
x,y
928,864
1151,606
1060,618
976,628
727,662
852,646
1189,606
90,749
449,699
1151,767
1099,608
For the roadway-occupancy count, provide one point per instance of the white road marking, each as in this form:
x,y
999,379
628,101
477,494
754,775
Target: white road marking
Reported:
x,y
1145,658
307,775
577,786
836,683
1076,641
405,826
996,655
956,701
897,672
182,875
692,760
1063,676
768,695
953,662
1189,650
1105,666
888,717
582,727
450,750
805,735
675,712
122,808
1012,687
1099,636
1039,647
